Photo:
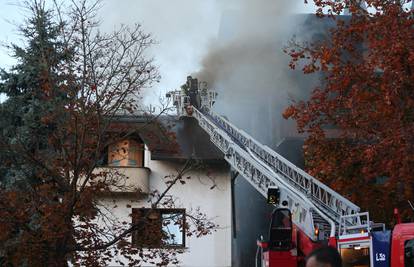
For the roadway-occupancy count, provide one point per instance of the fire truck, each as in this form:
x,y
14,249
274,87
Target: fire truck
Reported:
x,y
308,214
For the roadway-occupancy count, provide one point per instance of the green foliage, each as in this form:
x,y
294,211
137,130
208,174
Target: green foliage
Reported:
x,y
31,88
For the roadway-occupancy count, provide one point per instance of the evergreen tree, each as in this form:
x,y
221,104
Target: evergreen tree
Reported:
x,y
33,94
64,95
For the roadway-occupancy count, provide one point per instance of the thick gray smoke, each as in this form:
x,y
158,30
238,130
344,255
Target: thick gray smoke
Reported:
x,y
181,28
235,45
248,68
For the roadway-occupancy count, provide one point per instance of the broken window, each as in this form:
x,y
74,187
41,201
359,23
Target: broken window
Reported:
x,y
126,153
158,228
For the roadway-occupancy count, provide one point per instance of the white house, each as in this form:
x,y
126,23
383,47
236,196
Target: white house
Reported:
x,y
148,158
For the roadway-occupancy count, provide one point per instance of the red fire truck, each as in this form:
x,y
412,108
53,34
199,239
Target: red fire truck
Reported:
x,y
308,213
362,246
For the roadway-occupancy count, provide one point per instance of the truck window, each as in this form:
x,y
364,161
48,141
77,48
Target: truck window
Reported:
x,y
409,253
355,255
280,232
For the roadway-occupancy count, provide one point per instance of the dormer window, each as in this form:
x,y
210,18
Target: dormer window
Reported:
x,y
126,153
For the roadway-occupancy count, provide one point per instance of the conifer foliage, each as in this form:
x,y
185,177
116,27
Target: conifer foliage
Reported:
x,y
69,85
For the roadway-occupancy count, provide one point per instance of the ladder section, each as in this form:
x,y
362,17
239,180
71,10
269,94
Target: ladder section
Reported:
x,y
324,197
259,176
313,204
355,224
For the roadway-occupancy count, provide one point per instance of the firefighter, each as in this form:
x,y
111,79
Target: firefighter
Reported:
x,y
190,88
324,257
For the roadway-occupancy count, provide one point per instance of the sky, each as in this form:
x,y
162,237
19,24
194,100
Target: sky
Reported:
x,y
8,33
183,30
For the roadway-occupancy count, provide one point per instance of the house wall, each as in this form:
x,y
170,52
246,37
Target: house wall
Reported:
x,y
210,250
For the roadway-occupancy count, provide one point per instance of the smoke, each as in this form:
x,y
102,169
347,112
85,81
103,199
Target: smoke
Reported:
x,y
181,28
234,45
248,68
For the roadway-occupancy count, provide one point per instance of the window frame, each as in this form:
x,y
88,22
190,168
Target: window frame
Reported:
x,y
159,243
411,243
140,151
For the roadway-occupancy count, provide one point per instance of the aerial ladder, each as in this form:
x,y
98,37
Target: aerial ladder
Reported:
x,y
317,215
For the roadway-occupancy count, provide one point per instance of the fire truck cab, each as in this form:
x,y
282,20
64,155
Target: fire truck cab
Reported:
x,y
360,243
280,249
363,243
402,245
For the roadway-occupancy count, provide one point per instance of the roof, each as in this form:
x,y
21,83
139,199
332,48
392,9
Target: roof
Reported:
x,y
170,137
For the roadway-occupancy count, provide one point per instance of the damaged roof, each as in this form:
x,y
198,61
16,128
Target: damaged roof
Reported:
x,y
170,137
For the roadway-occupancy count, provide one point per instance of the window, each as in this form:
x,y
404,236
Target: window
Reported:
x,y
126,153
280,233
409,253
355,255
159,228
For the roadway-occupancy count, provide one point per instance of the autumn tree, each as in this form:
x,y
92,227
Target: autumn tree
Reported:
x,y
65,94
360,120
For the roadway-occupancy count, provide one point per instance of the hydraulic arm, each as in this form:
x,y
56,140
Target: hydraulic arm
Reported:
x,y
316,209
